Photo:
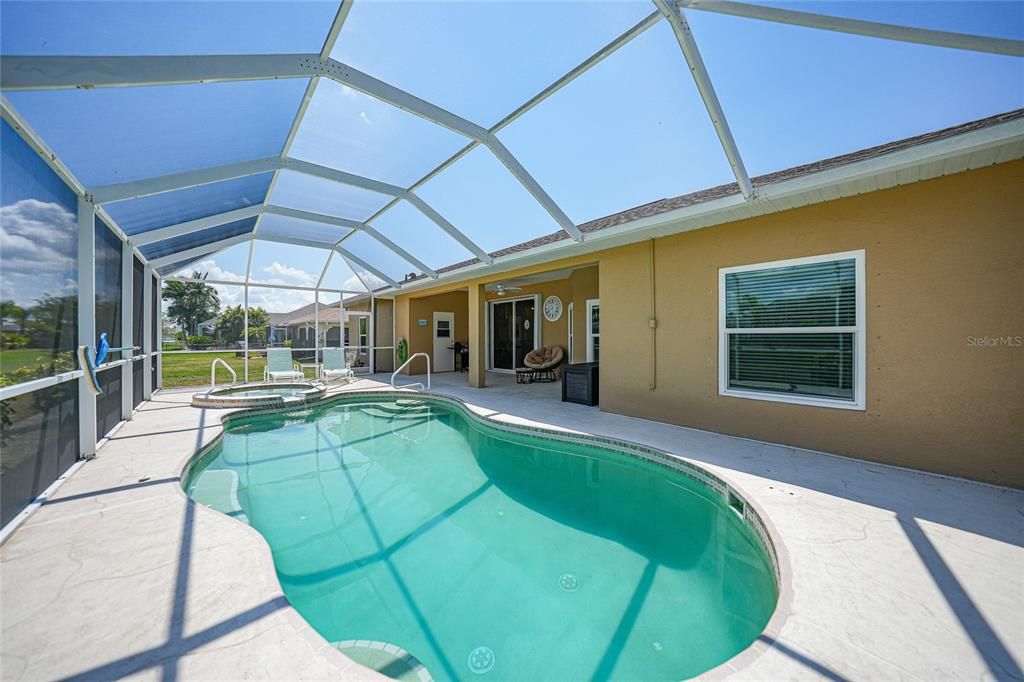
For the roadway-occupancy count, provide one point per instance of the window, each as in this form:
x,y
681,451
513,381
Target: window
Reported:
x,y
364,325
593,330
444,329
793,331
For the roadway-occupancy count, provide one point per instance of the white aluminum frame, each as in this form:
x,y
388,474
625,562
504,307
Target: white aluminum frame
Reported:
x,y
489,328
591,304
859,331
55,72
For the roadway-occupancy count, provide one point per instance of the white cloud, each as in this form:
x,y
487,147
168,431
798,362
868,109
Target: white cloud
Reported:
x,y
214,271
365,119
39,247
286,274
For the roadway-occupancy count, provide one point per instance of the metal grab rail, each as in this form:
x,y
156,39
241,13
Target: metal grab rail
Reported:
x,y
406,364
213,372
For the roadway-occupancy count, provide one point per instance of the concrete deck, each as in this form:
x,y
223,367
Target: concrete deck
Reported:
x,y
894,574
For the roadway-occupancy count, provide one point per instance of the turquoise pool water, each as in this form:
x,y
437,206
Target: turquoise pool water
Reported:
x,y
490,555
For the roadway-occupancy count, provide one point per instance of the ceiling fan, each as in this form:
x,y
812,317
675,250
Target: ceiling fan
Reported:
x,y
503,289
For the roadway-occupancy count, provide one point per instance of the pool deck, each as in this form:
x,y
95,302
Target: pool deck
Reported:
x,y
892,573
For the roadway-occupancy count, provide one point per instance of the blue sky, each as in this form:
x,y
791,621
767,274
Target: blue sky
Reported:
x,y
630,131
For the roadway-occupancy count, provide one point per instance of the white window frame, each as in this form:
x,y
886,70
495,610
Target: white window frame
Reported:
x,y
591,304
859,332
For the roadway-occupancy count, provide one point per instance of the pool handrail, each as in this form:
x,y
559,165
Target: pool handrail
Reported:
x,y
213,372
406,364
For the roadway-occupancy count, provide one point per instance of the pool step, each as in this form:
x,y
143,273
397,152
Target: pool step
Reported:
x,y
407,414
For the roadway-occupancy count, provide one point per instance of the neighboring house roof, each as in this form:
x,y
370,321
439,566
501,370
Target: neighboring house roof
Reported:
x,y
329,313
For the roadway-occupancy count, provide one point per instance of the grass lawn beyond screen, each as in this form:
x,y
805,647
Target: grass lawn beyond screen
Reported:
x,y
193,369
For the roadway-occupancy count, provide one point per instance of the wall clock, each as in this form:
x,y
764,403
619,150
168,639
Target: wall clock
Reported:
x,y
552,308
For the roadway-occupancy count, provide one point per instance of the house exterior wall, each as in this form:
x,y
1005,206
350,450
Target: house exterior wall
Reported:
x,y
421,339
584,284
551,333
944,261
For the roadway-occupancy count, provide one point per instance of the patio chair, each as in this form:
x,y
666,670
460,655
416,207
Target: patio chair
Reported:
x,y
541,363
280,366
335,365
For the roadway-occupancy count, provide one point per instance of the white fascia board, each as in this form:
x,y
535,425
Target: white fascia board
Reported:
x,y
688,45
134,189
906,34
196,225
442,222
349,256
966,143
204,250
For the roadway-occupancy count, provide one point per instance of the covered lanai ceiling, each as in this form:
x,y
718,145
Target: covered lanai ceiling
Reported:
x,y
376,144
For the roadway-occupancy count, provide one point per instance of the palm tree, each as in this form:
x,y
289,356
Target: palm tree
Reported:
x,y
191,302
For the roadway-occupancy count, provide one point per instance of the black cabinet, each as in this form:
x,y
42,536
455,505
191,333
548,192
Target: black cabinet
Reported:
x,y
580,383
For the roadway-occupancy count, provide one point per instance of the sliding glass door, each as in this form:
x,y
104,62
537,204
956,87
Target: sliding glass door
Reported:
x,y
513,332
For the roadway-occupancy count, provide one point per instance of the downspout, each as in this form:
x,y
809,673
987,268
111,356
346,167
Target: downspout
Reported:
x,y
652,322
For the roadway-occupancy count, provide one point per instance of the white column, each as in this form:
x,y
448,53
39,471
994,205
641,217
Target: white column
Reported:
x,y
147,333
158,342
245,332
127,325
316,327
86,322
373,333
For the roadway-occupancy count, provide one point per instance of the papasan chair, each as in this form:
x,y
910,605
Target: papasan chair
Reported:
x,y
540,365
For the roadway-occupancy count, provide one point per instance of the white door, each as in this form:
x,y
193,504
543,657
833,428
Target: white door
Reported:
x,y
443,358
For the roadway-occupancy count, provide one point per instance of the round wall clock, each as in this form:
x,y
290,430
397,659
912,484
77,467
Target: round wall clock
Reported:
x,y
552,308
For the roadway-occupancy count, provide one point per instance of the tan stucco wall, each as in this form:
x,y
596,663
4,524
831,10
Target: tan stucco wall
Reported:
x,y
585,286
421,339
944,263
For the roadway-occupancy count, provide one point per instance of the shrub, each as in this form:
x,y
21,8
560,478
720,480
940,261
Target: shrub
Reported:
x,y
200,340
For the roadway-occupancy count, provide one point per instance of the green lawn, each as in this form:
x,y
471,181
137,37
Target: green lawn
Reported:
x,y
23,364
193,369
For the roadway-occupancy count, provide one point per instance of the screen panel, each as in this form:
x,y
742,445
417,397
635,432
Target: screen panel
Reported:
x,y
310,193
192,240
136,216
630,131
287,264
108,288
108,403
856,92
39,255
38,442
119,27
285,226
441,52
481,198
409,228
353,132
122,134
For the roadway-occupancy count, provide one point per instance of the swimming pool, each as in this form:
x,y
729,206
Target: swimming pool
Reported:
x,y
483,551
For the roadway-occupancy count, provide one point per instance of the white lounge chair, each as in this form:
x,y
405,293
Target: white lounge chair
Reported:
x,y
335,365
280,366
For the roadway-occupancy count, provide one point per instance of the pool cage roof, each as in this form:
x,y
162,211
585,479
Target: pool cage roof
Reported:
x,y
376,145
